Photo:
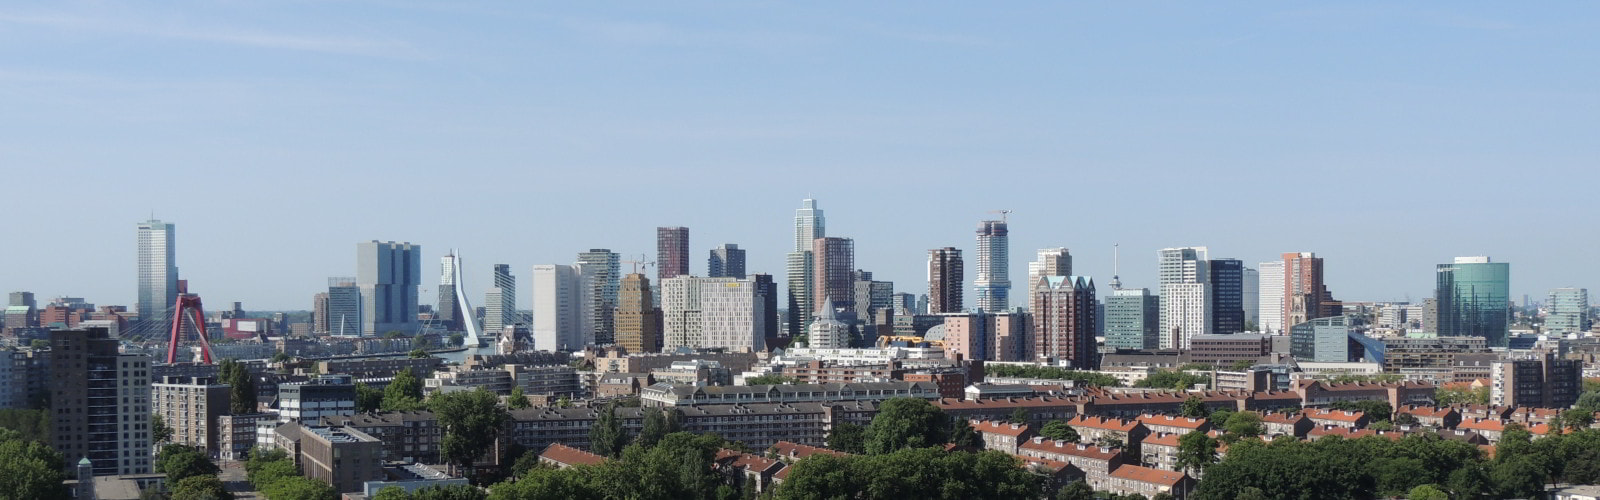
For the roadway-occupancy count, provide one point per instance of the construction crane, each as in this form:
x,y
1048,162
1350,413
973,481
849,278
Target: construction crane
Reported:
x,y
641,263
1003,213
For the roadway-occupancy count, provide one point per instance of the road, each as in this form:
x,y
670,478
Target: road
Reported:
x,y
233,478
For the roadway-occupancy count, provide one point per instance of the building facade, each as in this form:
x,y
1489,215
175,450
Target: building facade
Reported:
x,y
448,311
387,274
726,261
1538,380
1473,297
500,302
1305,295
1227,296
1185,295
1063,326
809,224
945,280
835,265
602,276
1270,292
1133,319
638,320
190,407
1049,262
101,402
558,308
672,252
1567,310
993,283
158,274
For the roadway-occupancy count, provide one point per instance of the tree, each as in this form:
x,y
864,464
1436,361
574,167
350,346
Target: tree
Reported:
x,y
769,379
471,420
1576,419
404,393
606,437
201,487
1196,451
1244,424
1461,396
367,398
179,461
848,438
29,469
159,432
1589,401
542,483
418,353
1194,407
911,473
1375,410
392,493
1019,416
904,423
1427,492
655,427
299,488
456,339
1059,430
280,357
1076,490
30,424
1404,418
241,386
517,400
1241,365
450,492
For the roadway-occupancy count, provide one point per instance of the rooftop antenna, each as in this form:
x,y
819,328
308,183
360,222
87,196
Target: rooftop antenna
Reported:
x,y
1116,282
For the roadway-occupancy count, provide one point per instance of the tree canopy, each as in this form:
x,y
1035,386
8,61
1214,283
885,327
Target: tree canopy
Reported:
x,y
1059,430
29,468
241,386
180,461
920,473
905,423
471,420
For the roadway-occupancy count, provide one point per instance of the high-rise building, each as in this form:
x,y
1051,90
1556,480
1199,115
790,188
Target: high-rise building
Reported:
x,y
1270,310
672,252
1063,326
1227,295
1324,340
190,407
680,313
602,269
100,402
500,302
1185,295
993,283
1305,295
1251,289
767,293
835,265
1567,310
638,320
388,274
809,224
558,308
1050,262
1540,379
945,280
727,261
158,275
731,314
826,330
968,335
872,295
1473,296
1133,319
344,307
448,313
319,313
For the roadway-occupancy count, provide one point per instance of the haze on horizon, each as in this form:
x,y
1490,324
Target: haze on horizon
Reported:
x,y
1386,138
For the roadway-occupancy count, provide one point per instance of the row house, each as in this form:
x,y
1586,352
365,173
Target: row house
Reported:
x,y
1285,424
1315,393
1161,450
1433,416
562,456
1337,418
1001,436
1102,429
1174,425
1040,409
1133,479
1096,462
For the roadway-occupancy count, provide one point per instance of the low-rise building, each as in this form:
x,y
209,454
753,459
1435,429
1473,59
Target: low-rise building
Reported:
x,y
1133,479
1432,416
1337,418
406,435
1001,436
236,434
1285,424
342,457
1127,433
326,395
411,477
190,407
1096,462
664,394
1169,424
562,456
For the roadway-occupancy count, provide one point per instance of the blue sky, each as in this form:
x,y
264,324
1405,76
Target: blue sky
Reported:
x,y
1385,137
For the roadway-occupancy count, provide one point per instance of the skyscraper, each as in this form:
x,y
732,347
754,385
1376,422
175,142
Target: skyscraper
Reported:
x,y
388,274
638,330
680,312
1271,294
1473,297
834,273
1305,296
727,261
993,283
558,308
603,275
1227,295
447,311
767,293
500,302
1063,327
102,402
344,307
945,275
1133,319
672,252
158,275
1567,310
1050,262
809,224
1252,298
1185,295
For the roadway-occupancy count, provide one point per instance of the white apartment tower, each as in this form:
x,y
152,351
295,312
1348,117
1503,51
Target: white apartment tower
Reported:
x,y
1270,306
1185,295
701,313
559,294
680,313
993,283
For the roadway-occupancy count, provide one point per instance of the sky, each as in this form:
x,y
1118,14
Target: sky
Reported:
x,y
1385,137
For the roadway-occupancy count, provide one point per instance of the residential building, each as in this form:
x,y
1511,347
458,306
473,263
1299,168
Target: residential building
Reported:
x,y
1270,291
602,275
1096,462
406,435
388,274
1063,324
1540,379
1305,296
340,456
1148,482
672,252
1185,295
734,314
325,395
236,434
827,331
680,313
100,402
1567,310
158,275
680,395
993,283
638,320
190,407
945,283
809,225
727,261
968,335
500,301
767,293
1133,319
1227,295
835,273
559,297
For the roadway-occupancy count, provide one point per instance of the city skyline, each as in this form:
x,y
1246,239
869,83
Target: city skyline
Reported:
x,y
294,127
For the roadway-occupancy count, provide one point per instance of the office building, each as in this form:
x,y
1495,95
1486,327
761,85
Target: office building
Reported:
x,y
325,395
767,293
1305,295
733,315
1063,325
672,252
809,224
344,307
945,280
1539,380
680,313
993,283
500,302
1133,319
100,402
558,312
835,265
1473,297
602,271
190,407
1185,295
727,261
448,313
1049,262
1567,310
1270,292
1227,296
968,335
158,275
638,320
342,457
1251,289
872,295
388,274
1324,340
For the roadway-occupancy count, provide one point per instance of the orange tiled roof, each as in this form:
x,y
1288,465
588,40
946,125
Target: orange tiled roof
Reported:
x,y
1335,415
1074,449
1002,428
1148,475
1115,424
1171,421
799,451
1482,424
571,456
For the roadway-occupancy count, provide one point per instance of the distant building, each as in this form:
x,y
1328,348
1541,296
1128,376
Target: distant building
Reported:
x,y
1539,380
1325,340
326,395
343,457
388,274
500,302
1305,295
1473,296
827,331
727,261
703,313
945,280
1270,291
1063,326
1567,310
344,307
1227,296
1185,295
835,264
809,225
559,300
158,275
638,320
672,252
602,275
993,283
1133,319
448,312
1252,298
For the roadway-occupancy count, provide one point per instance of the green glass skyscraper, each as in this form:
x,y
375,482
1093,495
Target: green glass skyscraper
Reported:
x,y
1473,298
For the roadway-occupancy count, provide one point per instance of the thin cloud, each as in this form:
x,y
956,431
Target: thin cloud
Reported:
x,y
394,49
661,34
